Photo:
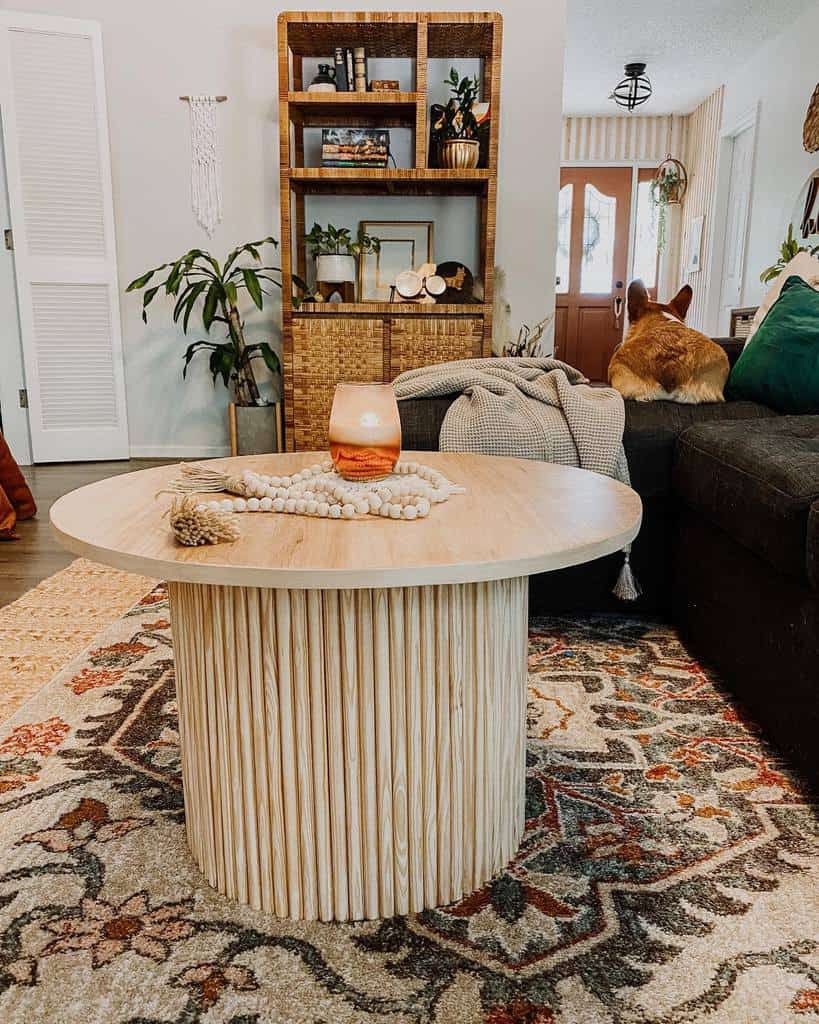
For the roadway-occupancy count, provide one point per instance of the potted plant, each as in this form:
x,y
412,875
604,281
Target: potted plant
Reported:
x,y
789,248
456,129
335,252
197,278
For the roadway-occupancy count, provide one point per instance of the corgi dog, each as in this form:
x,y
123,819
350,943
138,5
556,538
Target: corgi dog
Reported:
x,y
663,360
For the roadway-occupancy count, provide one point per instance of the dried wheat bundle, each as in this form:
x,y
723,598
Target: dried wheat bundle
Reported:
x,y
198,479
194,524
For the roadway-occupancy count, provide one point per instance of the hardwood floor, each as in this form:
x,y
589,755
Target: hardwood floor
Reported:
x,y
37,554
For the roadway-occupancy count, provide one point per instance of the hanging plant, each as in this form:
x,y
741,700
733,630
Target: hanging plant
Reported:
x,y
668,187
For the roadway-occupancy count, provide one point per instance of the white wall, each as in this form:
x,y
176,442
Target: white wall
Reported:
x,y
780,77
156,51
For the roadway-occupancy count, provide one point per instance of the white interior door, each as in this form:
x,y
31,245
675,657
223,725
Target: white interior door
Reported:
x,y
736,229
55,130
12,379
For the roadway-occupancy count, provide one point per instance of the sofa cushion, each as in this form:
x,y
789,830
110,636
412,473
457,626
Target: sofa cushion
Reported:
x,y
757,481
780,364
651,433
421,420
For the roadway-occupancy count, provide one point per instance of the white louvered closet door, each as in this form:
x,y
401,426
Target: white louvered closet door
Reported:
x,y
55,132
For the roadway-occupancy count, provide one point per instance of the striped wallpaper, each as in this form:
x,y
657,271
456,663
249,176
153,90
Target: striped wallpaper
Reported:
x,y
700,157
621,138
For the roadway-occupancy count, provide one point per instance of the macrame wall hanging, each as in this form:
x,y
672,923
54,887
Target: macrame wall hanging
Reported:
x,y
206,187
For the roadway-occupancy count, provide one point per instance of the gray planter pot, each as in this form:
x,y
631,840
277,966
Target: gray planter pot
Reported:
x,y
254,429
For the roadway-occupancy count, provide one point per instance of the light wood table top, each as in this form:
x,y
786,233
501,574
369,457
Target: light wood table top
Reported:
x,y
516,518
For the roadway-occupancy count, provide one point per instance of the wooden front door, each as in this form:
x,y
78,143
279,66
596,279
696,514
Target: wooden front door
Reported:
x,y
593,227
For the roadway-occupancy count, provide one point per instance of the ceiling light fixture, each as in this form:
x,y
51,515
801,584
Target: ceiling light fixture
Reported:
x,y
635,88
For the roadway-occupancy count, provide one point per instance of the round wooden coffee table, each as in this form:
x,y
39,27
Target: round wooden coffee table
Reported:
x,y
352,694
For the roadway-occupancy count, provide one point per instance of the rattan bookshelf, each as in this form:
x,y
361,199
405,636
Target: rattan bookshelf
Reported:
x,y
326,343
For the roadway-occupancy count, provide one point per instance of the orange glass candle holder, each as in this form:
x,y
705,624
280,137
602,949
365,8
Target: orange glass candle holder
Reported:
x,y
365,431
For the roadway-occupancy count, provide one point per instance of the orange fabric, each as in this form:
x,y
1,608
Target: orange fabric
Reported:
x,y
14,483
8,517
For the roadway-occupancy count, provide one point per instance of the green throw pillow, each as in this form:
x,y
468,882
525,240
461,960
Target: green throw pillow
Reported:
x,y
779,366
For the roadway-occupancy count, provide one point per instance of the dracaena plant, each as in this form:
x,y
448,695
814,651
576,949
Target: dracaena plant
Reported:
x,y
197,278
332,241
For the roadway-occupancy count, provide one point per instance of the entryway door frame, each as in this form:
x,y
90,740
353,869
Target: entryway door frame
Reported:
x,y
636,166
67,290
717,316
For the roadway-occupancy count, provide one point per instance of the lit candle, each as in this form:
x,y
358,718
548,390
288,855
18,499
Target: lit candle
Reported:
x,y
365,431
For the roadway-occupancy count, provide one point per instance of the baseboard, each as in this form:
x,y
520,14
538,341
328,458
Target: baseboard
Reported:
x,y
172,451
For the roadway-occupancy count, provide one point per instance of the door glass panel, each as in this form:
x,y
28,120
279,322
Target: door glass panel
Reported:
x,y
564,238
645,241
597,270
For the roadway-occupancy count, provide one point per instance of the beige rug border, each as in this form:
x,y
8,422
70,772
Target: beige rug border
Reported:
x,y
58,621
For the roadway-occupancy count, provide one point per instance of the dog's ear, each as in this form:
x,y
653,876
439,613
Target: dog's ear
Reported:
x,y
637,300
682,300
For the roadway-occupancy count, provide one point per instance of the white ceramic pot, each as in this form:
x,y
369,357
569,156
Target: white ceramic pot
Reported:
x,y
335,269
460,154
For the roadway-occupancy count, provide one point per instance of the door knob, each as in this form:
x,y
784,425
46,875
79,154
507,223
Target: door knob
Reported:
x,y
618,310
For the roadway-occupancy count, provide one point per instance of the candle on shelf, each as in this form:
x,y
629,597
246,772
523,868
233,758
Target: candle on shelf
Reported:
x,y
365,431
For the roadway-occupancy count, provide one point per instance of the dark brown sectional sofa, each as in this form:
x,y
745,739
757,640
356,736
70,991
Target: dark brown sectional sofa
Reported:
x,y
728,550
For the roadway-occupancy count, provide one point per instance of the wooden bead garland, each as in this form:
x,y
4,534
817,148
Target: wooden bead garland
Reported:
x,y
319,491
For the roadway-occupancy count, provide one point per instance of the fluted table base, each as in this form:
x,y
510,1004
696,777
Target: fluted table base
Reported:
x,y
356,753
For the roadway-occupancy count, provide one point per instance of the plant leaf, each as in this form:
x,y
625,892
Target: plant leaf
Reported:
x,y
180,302
140,282
195,291
191,351
253,286
209,310
271,360
147,298
221,362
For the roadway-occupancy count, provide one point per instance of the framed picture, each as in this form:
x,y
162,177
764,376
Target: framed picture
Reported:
x,y
695,245
405,245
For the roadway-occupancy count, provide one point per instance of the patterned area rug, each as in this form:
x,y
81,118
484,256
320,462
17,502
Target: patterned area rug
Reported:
x,y
54,621
668,872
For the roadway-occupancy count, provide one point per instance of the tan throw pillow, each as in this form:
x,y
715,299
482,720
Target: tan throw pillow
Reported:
x,y
802,265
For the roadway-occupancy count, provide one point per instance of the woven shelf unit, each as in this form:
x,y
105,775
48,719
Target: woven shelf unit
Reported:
x,y
325,344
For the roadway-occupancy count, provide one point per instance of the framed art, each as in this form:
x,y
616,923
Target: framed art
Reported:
x,y
695,245
405,245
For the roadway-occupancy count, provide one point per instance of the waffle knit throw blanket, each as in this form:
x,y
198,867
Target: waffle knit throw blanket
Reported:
x,y
529,409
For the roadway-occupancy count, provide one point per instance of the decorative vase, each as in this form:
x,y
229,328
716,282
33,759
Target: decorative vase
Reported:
x,y
365,431
325,80
335,269
460,154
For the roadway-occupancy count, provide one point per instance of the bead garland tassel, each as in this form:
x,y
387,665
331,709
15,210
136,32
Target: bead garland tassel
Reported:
x,y
407,494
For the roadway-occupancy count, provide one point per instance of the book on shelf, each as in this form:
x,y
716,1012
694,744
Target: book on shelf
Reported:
x,y
355,147
360,68
348,60
355,164
385,85
341,70
352,71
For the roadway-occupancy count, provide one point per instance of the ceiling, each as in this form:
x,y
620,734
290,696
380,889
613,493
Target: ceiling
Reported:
x,y
687,44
